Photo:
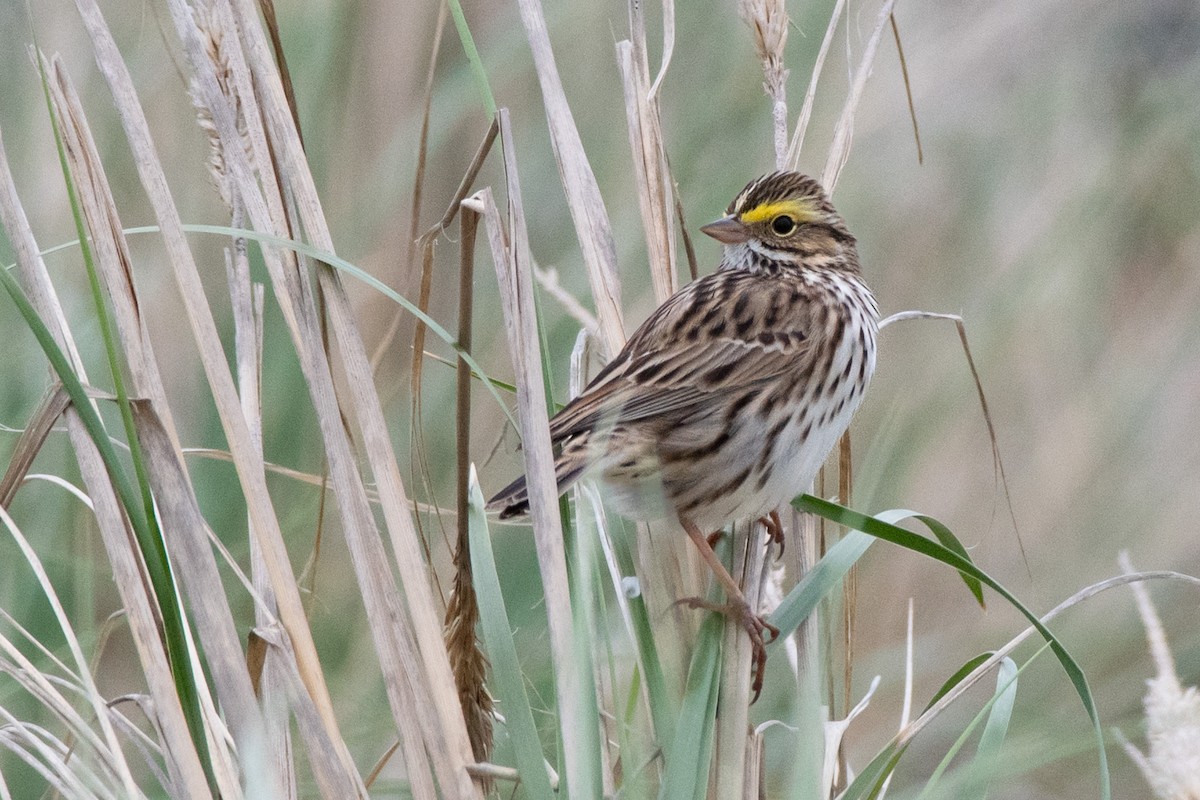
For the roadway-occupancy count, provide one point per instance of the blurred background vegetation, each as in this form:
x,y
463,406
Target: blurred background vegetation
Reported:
x,y
1057,209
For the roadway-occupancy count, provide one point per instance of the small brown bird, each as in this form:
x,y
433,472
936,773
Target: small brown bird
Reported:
x,y
724,404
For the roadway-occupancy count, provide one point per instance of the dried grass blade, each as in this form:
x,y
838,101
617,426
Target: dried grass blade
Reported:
x,y
793,158
650,172
105,742
448,746
912,109
579,182
512,262
668,24
183,762
266,209
184,529
249,465
53,404
998,462
266,672
191,555
462,612
843,132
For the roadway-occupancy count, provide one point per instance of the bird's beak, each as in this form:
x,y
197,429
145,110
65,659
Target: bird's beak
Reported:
x,y
727,230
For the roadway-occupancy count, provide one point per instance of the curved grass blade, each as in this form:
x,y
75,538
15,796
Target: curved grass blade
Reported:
x,y
911,541
823,578
350,269
873,777
987,755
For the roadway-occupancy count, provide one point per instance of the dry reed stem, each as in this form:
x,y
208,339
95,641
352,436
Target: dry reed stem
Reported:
x,y
182,760
793,157
843,132
462,612
412,652
267,673
511,256
247,462
54,403
768,22
183,528
650,172
728,770
592,226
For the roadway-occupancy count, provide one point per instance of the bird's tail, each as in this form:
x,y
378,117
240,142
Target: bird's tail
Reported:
x,y
513,500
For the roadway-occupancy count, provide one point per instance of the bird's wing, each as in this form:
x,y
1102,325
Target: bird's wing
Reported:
x,y
723,333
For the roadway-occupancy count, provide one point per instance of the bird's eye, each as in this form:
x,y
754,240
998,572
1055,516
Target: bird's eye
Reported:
x,y
783,225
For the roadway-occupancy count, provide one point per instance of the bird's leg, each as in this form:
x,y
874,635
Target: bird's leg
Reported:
x,y
770,522
736,608
774,529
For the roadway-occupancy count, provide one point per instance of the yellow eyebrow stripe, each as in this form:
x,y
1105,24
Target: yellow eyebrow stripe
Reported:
x,y
799,210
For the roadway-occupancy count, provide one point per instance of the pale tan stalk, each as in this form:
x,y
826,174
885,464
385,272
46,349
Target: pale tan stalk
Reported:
x,y
413,650
192,557
182,761
650,171
417,676
510,253
793,157
246,300
768,22
592,226
731,744
843,132
246,460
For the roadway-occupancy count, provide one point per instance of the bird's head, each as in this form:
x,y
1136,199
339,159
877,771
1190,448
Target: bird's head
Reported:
x,y
783,219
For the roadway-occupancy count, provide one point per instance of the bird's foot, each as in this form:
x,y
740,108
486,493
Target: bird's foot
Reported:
x,y
774,529
755,626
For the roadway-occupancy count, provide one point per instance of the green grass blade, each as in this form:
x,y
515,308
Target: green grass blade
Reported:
x,y
957,678
999,712
909,540
987,755
582,566
820,580
508,682
468,43
686,776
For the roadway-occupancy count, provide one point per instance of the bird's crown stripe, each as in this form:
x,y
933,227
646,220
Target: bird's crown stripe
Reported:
x,y
801,210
